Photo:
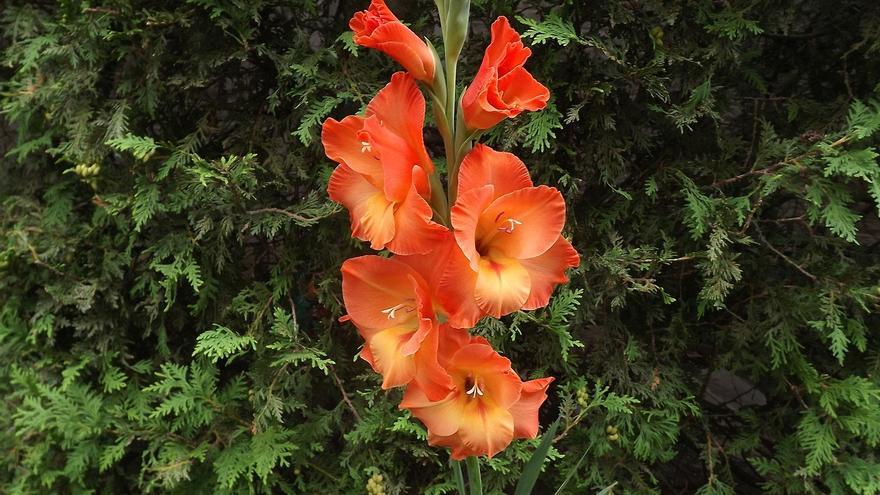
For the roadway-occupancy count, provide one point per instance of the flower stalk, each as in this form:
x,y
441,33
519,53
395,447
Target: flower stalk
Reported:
x,y
474,478
414,309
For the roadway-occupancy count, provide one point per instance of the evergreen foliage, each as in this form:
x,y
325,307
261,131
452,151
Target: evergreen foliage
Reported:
x,y
168,311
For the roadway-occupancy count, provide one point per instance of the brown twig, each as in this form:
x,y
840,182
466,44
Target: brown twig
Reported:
x,y
751,215
776,166
710,461
796,392
577,419
761,171
783,256
345,398
290,214
100,10
666,260
800,218
755,109
849,90
36,258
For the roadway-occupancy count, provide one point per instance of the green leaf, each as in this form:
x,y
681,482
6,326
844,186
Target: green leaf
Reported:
x,y
141,148
221,343
533,468
552,28
571,473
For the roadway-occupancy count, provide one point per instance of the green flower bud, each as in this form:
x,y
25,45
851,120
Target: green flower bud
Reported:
x,y
456,26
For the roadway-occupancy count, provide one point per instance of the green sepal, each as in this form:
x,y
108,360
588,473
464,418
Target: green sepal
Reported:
x,y
438,85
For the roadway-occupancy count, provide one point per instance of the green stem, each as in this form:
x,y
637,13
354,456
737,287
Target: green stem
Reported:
x,y
438,200
451,97
476,482
459,477
464,142
451,156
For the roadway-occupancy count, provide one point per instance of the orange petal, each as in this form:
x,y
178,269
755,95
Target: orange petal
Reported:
x,y
387,359
506,49
372,216
394,123
500,384
342,144
484,166
430,376
406,48
420,180
466,216
502,286
415,232
548,270
523,224
486,425
450,341
403,354
431,265
478,112
521,91
485,428
525,410
381,292
460,451
440,417
456,291
366,21
502,87
377,27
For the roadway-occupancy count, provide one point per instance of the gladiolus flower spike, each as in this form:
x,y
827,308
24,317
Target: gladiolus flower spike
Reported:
x,y
492,246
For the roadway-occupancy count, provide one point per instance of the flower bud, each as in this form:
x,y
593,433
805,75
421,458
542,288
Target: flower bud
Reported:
x,y
456,26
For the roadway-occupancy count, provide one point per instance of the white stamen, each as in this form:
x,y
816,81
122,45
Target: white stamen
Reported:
x,y
475,390
512,223
365,147
392,310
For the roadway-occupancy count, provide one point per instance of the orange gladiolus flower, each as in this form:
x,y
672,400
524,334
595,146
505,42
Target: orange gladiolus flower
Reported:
x,y
382,176
511,255
502,87
390,304
489,405
377,27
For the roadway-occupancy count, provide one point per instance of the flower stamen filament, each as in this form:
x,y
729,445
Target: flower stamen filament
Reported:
x,y
511,225
392,311
475,390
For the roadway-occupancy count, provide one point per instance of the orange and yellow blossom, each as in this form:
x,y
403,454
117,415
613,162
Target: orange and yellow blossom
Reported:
x,y
489,405
390,304
502,87
378,27
511,254
382,177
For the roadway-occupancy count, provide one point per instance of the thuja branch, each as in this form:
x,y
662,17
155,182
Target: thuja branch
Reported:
x,y
778,165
